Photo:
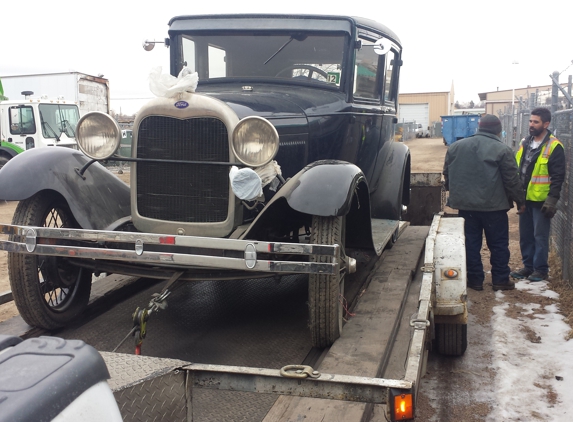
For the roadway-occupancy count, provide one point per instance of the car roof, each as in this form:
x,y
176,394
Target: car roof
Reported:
x,y
256,21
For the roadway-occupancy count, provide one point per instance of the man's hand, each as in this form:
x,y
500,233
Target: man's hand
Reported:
x,y
549,207
520,209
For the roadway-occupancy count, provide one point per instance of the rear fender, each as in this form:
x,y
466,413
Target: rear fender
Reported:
x,y
325,188
391,187
96,200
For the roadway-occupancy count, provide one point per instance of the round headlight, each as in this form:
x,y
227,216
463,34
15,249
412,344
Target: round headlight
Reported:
x,y
98,135
255,141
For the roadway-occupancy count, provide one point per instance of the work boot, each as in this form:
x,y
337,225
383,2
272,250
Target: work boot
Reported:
x,y
478,287
537,276
522,273
510,285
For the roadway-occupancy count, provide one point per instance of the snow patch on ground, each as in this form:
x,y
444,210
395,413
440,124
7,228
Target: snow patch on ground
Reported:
x,y
527,385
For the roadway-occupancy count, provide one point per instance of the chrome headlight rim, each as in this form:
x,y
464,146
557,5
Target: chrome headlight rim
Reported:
x,y
104,124
273,140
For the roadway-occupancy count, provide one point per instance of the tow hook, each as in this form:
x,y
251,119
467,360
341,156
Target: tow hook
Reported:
x,y
299,371
141,315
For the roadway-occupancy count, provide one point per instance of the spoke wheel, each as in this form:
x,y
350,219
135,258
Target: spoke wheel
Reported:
x,y
49,291
325,291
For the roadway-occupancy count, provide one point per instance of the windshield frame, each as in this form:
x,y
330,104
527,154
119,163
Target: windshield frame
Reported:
x,y
177,57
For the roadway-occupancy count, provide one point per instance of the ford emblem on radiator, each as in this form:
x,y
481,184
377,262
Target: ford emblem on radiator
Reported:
x,y
181,104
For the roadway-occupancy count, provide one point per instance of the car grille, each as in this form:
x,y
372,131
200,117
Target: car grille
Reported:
x,y
191,193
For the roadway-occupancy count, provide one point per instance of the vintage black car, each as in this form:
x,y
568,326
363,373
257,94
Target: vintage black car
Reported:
x,y
306,103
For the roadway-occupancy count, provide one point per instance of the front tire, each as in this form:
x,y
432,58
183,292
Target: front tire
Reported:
x,y
325,291
49,291
3,160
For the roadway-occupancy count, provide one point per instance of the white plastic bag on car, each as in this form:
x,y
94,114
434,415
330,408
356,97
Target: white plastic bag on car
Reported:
x,y
268,172
246,183
165,85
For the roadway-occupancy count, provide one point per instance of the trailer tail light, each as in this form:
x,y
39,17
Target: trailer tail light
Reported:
x,y
451,273
401,406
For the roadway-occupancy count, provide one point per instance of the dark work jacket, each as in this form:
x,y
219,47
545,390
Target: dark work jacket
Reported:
x,y
481,174
556,167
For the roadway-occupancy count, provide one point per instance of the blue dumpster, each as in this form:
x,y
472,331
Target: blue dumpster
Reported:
x,y
458,127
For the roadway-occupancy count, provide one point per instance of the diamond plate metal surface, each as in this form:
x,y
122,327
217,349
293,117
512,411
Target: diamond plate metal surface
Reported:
x,y
257,323
157,399
127,370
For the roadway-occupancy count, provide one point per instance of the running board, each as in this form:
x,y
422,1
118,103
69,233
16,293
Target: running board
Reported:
x,y
382,231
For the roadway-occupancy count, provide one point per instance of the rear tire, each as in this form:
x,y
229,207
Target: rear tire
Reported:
x,y
3,160
325,291
49,291
451,339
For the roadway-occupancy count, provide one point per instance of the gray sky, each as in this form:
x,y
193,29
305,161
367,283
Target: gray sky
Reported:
x,y
472,44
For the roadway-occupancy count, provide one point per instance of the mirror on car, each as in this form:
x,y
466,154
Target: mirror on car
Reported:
x,y
382,46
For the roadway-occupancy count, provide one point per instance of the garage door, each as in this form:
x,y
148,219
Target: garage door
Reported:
x,y
419,113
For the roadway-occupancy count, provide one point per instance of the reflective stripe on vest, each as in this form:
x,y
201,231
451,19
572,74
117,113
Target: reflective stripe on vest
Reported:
x,y
538,187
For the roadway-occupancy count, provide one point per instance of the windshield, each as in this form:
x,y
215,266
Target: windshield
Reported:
x,y
59,118
304,56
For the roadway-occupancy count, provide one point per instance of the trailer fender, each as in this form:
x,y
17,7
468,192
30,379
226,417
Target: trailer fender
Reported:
x,y
391,187
96,200
327,188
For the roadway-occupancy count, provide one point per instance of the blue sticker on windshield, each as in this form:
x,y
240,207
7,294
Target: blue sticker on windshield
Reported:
x,y
181,104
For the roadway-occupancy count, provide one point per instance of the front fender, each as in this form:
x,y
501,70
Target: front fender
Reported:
x,y
323,188
96,200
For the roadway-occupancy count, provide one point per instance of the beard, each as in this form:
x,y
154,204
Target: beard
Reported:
x,y
535,132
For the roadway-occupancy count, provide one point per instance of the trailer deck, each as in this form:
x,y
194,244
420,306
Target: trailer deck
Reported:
x,y
219,336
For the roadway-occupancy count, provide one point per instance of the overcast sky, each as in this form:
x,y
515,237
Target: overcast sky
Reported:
x,y
472,44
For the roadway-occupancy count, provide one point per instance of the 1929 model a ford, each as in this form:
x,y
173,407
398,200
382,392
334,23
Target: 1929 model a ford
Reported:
x,y
298,110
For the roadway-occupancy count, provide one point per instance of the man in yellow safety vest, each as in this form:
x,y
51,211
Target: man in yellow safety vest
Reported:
x,y
541,162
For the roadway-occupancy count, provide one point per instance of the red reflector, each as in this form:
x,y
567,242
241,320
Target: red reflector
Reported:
x,y
270,247
169,240
402,406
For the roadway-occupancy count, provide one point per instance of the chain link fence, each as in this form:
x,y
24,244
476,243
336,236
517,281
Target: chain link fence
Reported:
x,y
515,125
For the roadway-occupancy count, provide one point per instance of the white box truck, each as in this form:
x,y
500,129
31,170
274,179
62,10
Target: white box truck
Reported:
x,y
42,110
90,93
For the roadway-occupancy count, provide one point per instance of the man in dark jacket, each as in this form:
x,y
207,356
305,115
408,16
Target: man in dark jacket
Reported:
x,y
541,161
481,174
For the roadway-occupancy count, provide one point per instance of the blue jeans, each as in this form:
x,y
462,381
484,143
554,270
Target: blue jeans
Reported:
x,y
495,225
534,239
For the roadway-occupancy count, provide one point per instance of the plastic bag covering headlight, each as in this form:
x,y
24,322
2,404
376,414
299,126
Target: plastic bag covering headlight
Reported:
x,y
255,141
98,135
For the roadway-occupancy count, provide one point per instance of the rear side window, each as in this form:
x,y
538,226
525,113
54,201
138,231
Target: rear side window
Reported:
x,y
390,80
366,71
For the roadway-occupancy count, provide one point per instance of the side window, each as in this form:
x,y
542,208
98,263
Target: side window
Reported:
x,y
22,121
390,84
207,60
217,65
366,71
189,53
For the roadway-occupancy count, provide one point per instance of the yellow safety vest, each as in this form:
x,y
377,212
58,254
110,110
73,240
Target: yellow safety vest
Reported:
x,y
538,187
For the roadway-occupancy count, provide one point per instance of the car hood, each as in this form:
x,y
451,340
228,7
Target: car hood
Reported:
x,y
276,102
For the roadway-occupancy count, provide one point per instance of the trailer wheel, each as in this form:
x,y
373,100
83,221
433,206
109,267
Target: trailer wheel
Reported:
x,y
451,339
325,291
3,160
49,291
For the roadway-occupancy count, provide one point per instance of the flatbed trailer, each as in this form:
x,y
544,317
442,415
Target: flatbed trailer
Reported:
x,y
372,370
